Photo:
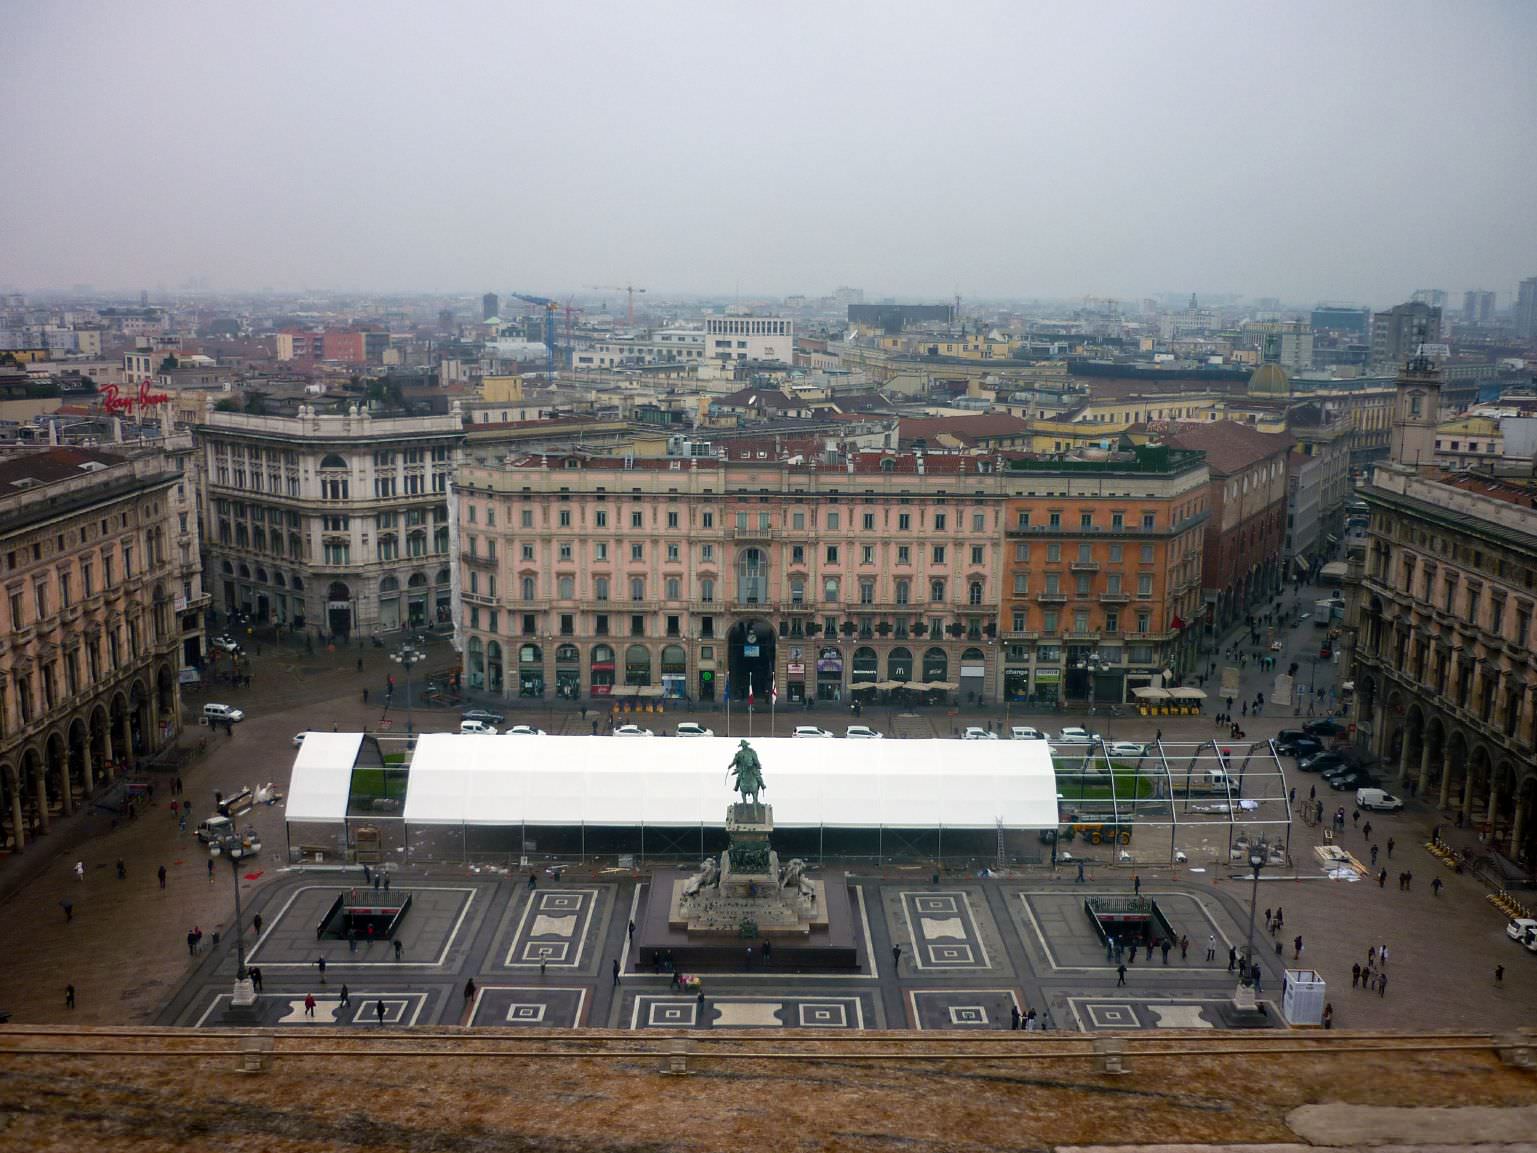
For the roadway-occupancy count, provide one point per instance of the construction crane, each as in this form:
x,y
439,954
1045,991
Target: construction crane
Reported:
x,y
550,307
629,291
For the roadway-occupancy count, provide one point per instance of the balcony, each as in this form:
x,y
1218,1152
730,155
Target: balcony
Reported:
x,y
751,534
1021,635
477,558
478,599
1084,566
1115,598
1070,636
1051,598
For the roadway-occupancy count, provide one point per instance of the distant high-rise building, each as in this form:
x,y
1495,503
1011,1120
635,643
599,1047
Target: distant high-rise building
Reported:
x,y
1342,318
1434,297
1526,309
490,306
1398,333
1477,306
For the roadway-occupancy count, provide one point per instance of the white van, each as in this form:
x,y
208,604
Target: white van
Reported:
x,y
477,727
1378,799
222,713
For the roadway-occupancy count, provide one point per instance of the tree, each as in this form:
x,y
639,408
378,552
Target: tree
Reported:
x,y
227,404
256,403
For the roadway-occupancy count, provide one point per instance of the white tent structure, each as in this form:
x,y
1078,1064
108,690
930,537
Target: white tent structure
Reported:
x,y
322,777
476,797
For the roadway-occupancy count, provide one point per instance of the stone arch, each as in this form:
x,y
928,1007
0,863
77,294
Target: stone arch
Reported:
x,y
12,822
1454,780
1477,787
1414,745
899,664
97,746
1523,830
1503,784
117,727
494,666
475,657
139,720
1394,731
166,720
34,792
1434,755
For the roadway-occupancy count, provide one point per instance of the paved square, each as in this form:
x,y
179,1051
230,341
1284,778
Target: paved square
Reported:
x,y
1102,1012
529,1007
944,931
1059,934
429,930
287,1009
961,1008
553,929
767,1011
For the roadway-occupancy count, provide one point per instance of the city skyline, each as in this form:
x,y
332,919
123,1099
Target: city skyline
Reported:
x,y
1050,154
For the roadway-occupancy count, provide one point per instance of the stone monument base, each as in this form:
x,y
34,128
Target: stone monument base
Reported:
x,y
817,936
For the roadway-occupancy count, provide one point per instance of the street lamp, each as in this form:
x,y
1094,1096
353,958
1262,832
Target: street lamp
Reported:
x,y
235,848
1256,862
407,656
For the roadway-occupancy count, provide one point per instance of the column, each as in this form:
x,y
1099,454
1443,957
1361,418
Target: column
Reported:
x,y
106,749
1424,764
40,786
67,795
1467,794
1446,777
16,817
1518,822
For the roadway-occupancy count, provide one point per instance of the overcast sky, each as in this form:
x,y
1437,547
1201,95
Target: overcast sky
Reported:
x,y
1349,151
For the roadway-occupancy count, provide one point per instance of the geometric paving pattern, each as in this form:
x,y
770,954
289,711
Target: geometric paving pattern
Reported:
x,y
944,931
663,1011
528,1007
961,1008
553,929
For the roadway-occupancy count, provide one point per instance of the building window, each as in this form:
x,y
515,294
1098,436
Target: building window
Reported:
x,y
566,587
707,590
528,588
940,522
832,554
936,590
674,588
637,588
869,521
867,592
830,590
974,593
1021,584
1112,621
904,554
867,554
939,554
637,552
903,592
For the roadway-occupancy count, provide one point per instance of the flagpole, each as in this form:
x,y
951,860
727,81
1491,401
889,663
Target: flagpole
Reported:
x,y
749,704
773,700
728,704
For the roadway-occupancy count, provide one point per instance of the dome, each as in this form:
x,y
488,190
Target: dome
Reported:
x,y
1269,380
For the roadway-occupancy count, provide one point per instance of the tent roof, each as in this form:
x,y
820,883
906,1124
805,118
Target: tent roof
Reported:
x,y
482,780
322,776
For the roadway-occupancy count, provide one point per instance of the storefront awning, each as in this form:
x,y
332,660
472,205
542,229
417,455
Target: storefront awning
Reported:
x,y
1147,693
1186,693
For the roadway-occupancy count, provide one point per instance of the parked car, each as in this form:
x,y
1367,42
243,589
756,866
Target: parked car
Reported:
x,y
978,733
862,733
477,728
1521,929
1350,779
632,731
1321,762
1074,733
298,740
1126,749
485,715
1378,800
1298,746
221,713
1026,733
692,729
810,732
225,644
525,731
1327,727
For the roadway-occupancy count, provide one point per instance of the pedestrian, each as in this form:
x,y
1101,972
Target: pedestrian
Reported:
x,y
379,1011
1382,984
386,882
397,949
210,870
767,951
1079,881
69,910
1120,973
1328,1015
256,978
1355,974
1390,848
346,1000
1435,887
1164,945
1269,917
1366,830
197,939
896,957
1382,879
1211,947
1136,883
1014,1017
1232,958
1184,947
469,990
309,1004
80,870
1291,797
1408,880
1499,974
191,943
616,970
378,880
700,1002
1280,918
365,696
320,963
1374,857
1297,948
256,923
632,932
69,996
1382,956
533,881
360,664
177,786
352,941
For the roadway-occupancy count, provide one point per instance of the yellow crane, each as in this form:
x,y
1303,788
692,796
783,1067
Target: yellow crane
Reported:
x,y
629,291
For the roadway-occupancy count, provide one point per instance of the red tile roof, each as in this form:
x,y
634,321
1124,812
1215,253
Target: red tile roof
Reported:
x,y
966,429
1230,446
51,465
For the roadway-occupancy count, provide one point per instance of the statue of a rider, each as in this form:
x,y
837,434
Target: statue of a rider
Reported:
x,y
747,774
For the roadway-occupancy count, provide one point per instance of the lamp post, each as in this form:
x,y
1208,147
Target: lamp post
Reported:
x,y
406,657
1256,862
233,847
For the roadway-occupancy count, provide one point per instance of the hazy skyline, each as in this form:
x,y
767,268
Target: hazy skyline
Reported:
x,y
1305,151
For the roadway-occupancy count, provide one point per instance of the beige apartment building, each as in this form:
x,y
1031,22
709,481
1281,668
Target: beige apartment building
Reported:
x,y
589,577
97,596
1443,661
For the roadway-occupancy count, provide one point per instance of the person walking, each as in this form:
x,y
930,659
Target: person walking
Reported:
x,y
1211,947
1382,956
69,997
1184,947
1329,1015
320,963
210,870
1355,974
1120,975
1136,884
1079,880
379,1011
469,990
398,948
1366,830
1297,948
1435,886
191,943
1382,984
309,1004
1374,857
1382,879
256,923
80,870
616,970
1232,958
1390,848
632,932
69,909
346,999
161,874
256,978
1499,974
896,957
1014,1017
1165,946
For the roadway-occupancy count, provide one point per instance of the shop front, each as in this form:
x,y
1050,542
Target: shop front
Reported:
x,y
637,666
1048,686
389,604
866,670
706,680
602,670
674,672
530,671
1016,683
973,675
795,677
568,672
829,674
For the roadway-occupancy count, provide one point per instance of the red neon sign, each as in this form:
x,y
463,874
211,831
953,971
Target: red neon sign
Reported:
x,y
113,401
